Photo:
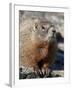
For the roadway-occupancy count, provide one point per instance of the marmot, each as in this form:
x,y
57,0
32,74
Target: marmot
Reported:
x,y
38,44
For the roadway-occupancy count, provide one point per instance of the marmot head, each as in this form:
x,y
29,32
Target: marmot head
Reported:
x,y
44,30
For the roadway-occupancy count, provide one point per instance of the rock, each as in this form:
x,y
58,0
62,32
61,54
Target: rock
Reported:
x,y
22,76
31,75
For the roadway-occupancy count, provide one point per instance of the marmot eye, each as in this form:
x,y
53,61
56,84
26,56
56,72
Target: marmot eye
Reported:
x,y
43,27
36,27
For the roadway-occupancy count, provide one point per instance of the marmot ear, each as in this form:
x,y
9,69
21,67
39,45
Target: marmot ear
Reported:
x,y
36,22
36,26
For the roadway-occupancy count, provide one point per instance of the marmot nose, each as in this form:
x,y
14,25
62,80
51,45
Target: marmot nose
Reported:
x,y
54,31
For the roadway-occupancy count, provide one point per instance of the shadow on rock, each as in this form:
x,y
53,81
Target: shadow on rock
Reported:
x,y
59,61
59,37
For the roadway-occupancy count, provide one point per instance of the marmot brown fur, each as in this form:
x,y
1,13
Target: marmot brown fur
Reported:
x,y
38,44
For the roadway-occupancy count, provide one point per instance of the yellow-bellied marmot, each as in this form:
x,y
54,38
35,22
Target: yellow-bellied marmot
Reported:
x,y
38,44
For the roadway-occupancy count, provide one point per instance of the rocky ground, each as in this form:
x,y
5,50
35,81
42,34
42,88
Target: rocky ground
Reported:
x,y
33,75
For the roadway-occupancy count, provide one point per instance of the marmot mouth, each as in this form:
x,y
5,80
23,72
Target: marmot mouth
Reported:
x,y
51,39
